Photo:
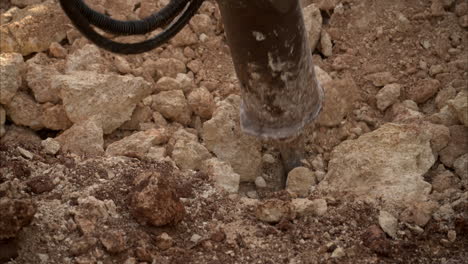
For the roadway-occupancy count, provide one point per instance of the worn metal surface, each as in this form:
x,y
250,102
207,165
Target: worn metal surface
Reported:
x,y
272,58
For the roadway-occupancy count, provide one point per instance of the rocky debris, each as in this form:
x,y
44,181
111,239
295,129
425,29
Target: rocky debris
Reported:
x,y
168,67
326,46
113,241
313,24
440,136
457,146
138,144
402,113
54,117
419,212
444,95
155,201
83,245
185,37
423,90
274,210
57,51
387,96
16,213
201,102
306,207
164,241
110,98
141,115
40,184
173,105
201,23
189,155
445,117
339,252
444,180
386,164
168,84
87,58
388,223
222,174
23,110
34,29
11,68
459,105
20,134
300,180
223,137
380,79
461,167
39,78
91,213
85,138
374,238
25,153
50,146
2,121
340,95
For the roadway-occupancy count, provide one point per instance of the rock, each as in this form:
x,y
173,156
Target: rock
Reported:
x,y
50,146
222,136
185,37
387,164
374,238
168,84
326,46
16,213
90,214
300,180
34,29
461,9
141,114
110,98
444,95
155,201
189,155
457,146
185,81
380,79
451,235
54,117
2,121
443,181
322,76
440,136
459,105
25,3
164,241
313,24
274,210
340,95
402,114
85,138
338,253
113,241
461,167
88,58
222,174
16,134
57,51
25,153
260,182
138,144
306,207
24,111
387,96
388,223
169,67
201,23
40,184
39,78
82,245
201,102
11,68
423,90
173,105
418,213
445,117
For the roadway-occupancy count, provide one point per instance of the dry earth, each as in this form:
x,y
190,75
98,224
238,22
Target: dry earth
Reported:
x,y
140,159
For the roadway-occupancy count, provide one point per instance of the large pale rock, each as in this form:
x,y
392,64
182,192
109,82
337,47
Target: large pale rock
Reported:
x,y
138,144
85,138
54,117
34,29
39,78
24,111
110,98
340,96
173,105
222,136
222,174
313,24
387,164
11,67
87,58
459,105
189,155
